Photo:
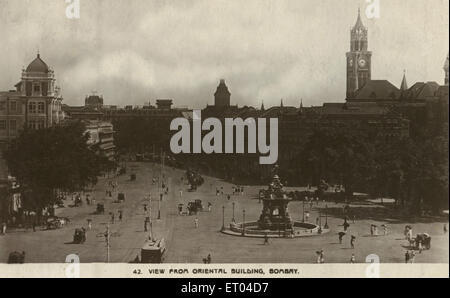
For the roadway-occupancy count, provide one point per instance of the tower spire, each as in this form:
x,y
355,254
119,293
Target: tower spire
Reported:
x,y
404,85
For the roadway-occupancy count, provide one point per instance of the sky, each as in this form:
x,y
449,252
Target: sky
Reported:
x,y
135,51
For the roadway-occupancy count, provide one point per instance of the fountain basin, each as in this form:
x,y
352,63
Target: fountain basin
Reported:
x,y
252,230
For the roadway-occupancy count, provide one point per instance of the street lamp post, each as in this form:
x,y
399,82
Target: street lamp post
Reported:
x,y
326,217
243,223
223,218
234,219
159,209
303,220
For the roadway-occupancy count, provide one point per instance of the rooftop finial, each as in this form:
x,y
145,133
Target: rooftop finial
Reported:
x,y
404,85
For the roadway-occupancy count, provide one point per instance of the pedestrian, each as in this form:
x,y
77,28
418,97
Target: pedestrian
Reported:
x,y
341,236
371,230
181,193
209,259
209,206
352,241
412,258
307,216
354,219
322,257
145,208
229,197
353,259
4,226
317,221
445,228
112,218
346,225
407,257
89,221
266,239
420,246
120,215
375,230
196,222
385,230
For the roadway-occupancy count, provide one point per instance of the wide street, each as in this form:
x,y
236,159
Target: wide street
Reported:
x,y
188,244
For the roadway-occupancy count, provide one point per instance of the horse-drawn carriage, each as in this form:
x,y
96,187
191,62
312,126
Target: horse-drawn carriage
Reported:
x,y
195,207
16,257
100,209
121,197
424,239
79,237
54,223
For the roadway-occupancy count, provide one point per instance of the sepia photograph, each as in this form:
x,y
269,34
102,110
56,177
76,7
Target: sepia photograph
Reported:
x,y
224,134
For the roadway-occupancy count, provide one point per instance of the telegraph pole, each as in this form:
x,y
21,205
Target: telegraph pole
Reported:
x,y
107,236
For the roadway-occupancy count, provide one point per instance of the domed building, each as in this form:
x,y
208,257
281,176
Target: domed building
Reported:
x,y
35,103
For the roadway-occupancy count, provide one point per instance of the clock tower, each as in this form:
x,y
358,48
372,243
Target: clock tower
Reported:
x,y
359,59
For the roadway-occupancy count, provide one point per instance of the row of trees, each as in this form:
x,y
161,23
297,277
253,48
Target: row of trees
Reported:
x,y
410,170
54,159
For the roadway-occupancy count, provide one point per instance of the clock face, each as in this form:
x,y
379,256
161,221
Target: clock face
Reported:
x,y
362,62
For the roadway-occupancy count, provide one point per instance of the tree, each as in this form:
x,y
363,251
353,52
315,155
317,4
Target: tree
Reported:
x,y
339,156
57,158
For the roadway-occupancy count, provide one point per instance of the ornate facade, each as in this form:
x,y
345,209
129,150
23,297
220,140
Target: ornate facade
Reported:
x,y
35,103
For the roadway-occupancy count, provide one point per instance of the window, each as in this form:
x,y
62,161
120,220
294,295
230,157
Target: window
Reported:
x,y
37,88
2,105
2,124
32,107
41,108
13,126
41,124
13,106
31,124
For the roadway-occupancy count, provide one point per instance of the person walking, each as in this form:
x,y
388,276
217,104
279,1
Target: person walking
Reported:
x,y
412,258
196,223
4,226
407,257
120,215
89,221
352,241
341,236
445,228
266,239
353,259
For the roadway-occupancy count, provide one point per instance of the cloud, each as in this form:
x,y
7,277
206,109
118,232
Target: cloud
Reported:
x,y
136,50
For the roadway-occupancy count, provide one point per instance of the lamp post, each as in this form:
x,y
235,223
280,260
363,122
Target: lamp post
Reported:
x,y
223,218
159,209
243,223
234,219
303,220
326,217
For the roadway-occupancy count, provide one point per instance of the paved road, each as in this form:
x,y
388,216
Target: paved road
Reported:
x,y
187,244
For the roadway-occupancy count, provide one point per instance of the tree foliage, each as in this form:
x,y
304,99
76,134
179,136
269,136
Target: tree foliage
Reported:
x,y
51,159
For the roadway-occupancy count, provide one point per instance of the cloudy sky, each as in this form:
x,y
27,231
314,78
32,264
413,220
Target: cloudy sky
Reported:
x,y
134,51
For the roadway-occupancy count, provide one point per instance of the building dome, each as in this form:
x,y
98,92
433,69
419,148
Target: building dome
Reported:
x,y
38,65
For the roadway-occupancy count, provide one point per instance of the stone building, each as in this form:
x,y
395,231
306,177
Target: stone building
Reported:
x,y
35,103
